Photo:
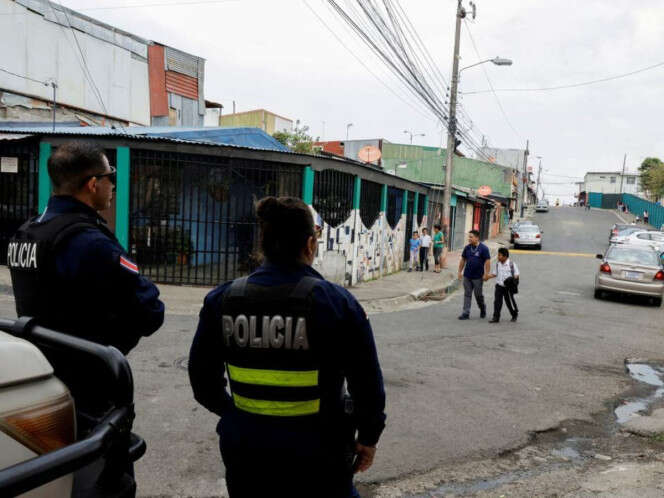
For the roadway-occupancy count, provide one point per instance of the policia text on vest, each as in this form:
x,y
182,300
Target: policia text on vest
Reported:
x,y
276,332
22,255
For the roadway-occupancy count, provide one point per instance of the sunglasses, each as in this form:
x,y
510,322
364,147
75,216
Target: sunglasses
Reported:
x,y
112,175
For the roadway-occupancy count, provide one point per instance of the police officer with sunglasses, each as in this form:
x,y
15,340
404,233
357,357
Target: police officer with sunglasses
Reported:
x,y
68,269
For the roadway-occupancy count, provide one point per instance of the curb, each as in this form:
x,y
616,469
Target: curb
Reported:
x,y
416,295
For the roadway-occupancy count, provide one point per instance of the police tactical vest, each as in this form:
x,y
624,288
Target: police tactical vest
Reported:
x,y
31,258
270,351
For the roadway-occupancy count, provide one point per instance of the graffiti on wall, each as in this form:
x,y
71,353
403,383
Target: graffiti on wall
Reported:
x,y
351,252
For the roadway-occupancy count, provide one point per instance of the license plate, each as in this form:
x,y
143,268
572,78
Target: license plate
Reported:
x,y
633,275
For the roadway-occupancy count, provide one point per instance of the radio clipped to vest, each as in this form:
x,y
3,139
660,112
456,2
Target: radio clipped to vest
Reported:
x,y
31,258
272,368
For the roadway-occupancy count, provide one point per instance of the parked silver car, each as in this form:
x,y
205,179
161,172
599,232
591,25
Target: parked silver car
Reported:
x,y
515,227
542,207
631,270
622,230
643,238
528,235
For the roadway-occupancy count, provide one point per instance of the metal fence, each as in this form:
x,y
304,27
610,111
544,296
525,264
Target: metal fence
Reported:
x,y
370,195
19,174
192,217
410,208
333,196
394,205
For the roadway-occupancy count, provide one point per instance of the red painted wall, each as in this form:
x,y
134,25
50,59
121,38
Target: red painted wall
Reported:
x,y
181,84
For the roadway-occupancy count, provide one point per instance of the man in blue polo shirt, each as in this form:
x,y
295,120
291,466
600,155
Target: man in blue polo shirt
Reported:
x,y
475,263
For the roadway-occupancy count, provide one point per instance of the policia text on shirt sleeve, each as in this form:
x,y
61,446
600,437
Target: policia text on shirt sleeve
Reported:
x,y
285,340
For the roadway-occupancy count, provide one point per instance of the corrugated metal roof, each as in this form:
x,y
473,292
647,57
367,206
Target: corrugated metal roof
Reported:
x,y
13,136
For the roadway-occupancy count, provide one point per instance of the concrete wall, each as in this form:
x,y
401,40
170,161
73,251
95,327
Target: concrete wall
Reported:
x,y
44,49
353,253
260,118
601,182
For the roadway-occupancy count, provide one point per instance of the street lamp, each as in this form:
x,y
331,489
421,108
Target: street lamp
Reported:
x,y
452,126
408,132
348,129
498,61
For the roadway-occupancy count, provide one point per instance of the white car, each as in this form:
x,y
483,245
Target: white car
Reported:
x,y
50,430
644,238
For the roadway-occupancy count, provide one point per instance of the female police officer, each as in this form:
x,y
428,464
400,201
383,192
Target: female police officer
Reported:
x,y
286,339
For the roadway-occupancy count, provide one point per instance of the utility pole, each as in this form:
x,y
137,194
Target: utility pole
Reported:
x,y
539,175
622,177
525,178
451,125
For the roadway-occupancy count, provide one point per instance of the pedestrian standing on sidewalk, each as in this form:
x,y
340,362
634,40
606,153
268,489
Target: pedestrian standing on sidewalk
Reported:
x,y
645,216
507,281
414,250
474,264
439,252
424,250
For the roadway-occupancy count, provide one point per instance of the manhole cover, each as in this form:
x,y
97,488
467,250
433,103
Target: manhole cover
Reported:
x,y
182,363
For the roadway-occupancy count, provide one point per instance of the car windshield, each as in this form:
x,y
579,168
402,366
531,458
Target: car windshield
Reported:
x,y
633,256
529,228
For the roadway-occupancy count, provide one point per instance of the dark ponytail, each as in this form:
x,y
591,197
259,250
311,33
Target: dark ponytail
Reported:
x,y
285,225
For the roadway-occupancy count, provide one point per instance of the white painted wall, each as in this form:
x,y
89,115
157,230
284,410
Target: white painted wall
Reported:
x,y
602,183
40,49
281,124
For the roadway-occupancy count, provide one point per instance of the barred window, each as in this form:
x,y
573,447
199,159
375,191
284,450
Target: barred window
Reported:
x,y
192,217
370,195
394,205
333,196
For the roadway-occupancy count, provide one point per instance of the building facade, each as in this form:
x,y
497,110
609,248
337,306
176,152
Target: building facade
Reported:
x,y
267,121
612,182
96,74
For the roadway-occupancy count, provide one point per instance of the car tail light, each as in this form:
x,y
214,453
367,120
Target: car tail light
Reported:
x,y
516,235
605,268
614,231
659,275
538,236
44,427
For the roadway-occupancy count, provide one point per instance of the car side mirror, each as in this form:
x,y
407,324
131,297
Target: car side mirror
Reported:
x,y
600,256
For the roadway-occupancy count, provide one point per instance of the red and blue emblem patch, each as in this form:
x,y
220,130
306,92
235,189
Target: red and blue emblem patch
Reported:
x,y
128,265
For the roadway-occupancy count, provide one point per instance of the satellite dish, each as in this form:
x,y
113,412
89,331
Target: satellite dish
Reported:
x,y
369,154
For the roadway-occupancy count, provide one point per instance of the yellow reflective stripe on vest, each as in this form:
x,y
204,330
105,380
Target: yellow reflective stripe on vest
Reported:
x,y
280,378
277,408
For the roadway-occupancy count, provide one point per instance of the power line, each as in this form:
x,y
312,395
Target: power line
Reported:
x,y
45,83
573,85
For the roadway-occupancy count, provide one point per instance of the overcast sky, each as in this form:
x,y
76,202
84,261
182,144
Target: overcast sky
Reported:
x,y
277,55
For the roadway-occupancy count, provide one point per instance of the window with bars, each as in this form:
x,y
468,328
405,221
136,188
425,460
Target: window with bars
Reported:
x,y
333,196
394,205
370,195
192,218
19,189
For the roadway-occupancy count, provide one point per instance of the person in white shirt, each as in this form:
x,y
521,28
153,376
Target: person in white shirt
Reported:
x,y
424,250
507,280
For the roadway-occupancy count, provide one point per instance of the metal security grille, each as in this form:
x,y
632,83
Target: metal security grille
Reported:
x,y
410,208
370,194
333,196
192,218
420,209
18,188
394,200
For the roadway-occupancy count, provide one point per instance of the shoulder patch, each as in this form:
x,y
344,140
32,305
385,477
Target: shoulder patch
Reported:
x,y
128,265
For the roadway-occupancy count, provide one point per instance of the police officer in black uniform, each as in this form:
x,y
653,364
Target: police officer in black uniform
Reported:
x,y
287,341
68,269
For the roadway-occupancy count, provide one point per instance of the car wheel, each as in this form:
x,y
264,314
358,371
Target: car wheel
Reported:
x,y
598,294
516,246
539,247
657,301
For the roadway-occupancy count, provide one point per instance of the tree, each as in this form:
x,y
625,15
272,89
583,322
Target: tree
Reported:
x,y
297,140
652,176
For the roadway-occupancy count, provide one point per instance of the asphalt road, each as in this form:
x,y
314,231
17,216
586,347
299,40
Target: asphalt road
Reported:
x,y
455,389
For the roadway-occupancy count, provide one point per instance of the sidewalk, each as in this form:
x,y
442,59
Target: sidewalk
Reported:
x,y
382,294
403,287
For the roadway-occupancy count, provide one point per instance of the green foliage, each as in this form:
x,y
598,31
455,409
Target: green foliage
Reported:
x,y
297,140
652,176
